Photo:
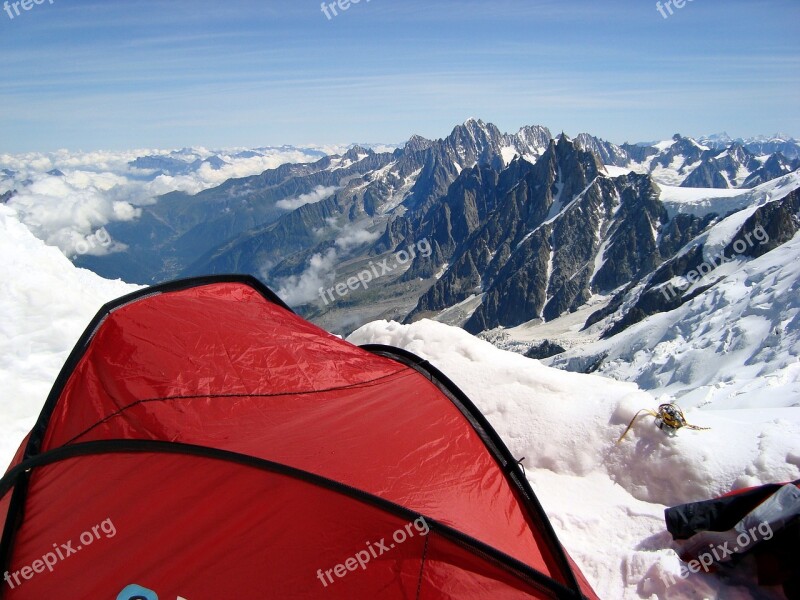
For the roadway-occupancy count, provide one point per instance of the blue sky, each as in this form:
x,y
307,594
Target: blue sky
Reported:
x,y
114,74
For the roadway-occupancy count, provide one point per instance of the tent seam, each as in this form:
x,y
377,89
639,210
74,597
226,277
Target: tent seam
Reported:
x,y
364,384
494,444
422,566
514,566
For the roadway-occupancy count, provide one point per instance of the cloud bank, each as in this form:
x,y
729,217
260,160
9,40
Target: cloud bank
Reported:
x,y
67,198
318,194
321,270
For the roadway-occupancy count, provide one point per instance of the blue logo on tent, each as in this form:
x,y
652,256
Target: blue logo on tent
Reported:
x,y
137,592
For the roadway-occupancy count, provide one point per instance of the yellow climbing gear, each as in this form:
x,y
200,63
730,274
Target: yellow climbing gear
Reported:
x,y
669,418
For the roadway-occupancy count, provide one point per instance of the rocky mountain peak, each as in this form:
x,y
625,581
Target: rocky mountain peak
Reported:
x,y
417,143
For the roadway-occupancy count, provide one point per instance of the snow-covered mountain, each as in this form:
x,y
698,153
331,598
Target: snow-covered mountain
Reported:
x,y
758,145
539,241
704,163
252,223
172,165
735,334
735,344
521,226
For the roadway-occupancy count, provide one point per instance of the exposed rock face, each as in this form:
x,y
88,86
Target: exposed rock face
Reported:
x,y
538,253
722,169
775,166
544,350
639,153
609,154
770,226
537,241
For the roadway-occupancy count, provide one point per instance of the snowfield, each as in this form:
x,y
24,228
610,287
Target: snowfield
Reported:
x,y
736,345
606,500
702,201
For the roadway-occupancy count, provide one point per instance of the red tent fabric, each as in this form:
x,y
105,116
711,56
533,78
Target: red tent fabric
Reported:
x,y
204,442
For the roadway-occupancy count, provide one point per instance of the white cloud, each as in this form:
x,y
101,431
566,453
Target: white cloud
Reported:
x,y
207,177
304,288
354,236
318,194
68,211
100,187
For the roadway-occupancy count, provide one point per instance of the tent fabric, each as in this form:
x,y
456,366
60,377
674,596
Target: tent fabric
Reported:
x,y
236,450
718,514
762,522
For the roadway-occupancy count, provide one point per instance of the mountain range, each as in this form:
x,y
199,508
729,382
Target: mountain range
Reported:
x,y
523,228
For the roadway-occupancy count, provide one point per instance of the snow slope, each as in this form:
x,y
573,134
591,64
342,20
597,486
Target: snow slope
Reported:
x,y
702,201
46,303
606,501
737,345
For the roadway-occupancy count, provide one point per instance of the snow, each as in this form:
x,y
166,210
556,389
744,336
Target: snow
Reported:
x,y
566,331
606,500
342,163
46,304
458,314
549,275
557,208
599,259
742,173
716,239
398,195
703,201
668,175
508,153
735,346
614,171
665,145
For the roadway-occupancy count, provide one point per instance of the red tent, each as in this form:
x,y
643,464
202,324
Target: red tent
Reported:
x,y
204,442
